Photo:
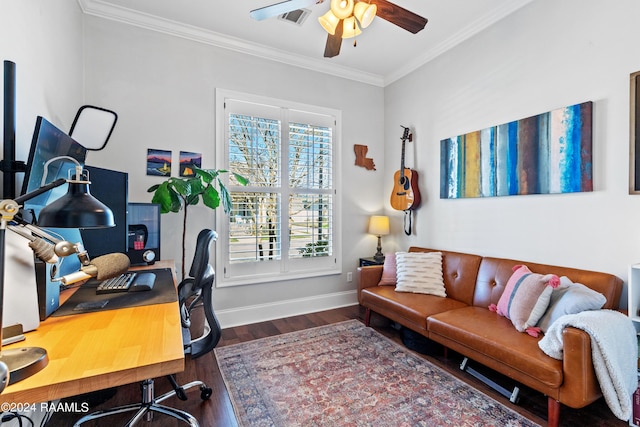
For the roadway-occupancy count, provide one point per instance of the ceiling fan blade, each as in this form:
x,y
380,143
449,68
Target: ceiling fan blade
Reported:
x,y
399,16
332,48
279,8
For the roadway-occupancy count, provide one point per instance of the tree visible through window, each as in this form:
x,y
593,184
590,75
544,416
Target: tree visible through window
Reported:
x,y
283,221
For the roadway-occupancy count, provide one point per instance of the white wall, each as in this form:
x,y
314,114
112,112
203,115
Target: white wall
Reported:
x,y
163,89
548,55
44,40
545,56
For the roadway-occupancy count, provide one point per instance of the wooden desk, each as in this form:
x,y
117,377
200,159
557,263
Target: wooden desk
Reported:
x,y
94,351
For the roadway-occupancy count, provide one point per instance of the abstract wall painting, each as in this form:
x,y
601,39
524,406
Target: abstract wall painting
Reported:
x,y
187,161
544,154
158,162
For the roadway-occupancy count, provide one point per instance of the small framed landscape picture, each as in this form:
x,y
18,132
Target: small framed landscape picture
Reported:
x,y
158,162
187,161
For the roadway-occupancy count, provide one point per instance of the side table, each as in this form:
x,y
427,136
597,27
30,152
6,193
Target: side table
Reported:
x,y
364,262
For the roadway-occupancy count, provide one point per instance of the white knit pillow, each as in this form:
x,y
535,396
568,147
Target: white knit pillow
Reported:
x,y
420,272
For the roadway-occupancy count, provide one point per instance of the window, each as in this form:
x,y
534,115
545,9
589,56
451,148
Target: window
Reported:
x,y
283,224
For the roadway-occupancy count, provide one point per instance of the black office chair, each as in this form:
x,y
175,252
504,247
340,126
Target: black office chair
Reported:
x,y
193,291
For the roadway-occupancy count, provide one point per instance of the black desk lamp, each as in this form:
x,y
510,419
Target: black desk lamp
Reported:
x,y
76,209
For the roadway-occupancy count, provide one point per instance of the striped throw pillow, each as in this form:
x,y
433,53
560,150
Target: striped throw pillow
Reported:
x,y
526,298
420,272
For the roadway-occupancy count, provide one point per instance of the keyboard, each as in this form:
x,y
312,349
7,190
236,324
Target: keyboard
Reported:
x,y
120,283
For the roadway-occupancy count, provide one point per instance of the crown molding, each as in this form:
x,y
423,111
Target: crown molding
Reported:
x,y
124,15
128,16
464,34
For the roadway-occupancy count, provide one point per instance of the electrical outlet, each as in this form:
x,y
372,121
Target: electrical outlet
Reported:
x,y
349,276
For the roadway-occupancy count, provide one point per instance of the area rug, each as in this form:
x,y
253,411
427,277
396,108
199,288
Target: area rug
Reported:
x,y
347,374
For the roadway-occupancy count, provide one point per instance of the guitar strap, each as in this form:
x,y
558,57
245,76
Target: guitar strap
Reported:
x,y
407,219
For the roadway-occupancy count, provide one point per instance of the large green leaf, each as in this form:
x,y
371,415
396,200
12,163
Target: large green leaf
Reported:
x,y
211,198
202,174
196,185
241,179
182,186
193,199
167,198
227,203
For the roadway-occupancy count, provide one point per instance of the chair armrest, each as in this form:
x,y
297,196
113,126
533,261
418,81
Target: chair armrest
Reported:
x,y
368,277
580,386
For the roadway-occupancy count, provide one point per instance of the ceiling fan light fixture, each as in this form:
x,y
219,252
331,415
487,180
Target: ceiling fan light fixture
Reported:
x,y
342,9
350,28
329,22
365,13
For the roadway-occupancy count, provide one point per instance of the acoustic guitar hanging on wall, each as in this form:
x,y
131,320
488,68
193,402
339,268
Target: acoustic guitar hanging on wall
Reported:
x,y
405,194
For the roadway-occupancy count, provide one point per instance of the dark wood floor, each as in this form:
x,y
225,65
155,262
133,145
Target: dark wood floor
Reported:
x,y
217,411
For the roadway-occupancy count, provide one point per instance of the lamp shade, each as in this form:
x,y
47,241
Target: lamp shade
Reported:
x,y
329,22
379,225
76,209
342,8
365,13
350,28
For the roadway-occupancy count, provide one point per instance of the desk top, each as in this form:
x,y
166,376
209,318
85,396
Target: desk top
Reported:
x,y
94,351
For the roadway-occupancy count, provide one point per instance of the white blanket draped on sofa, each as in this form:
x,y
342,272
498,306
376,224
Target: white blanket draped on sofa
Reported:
x,y
614,351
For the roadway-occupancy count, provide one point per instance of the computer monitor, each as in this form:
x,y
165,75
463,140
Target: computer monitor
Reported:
x,y
144,233
111,187
49,159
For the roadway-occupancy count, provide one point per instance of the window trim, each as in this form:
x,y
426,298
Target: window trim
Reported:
x,y
221,220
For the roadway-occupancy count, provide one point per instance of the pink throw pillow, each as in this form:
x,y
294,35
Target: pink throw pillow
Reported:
x,y
526,298
388,271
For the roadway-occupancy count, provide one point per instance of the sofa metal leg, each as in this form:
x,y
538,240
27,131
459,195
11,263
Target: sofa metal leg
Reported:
x,y
553,412
367,317
511,395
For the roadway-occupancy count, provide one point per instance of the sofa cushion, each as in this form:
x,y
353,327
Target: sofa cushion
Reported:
x,y
408,309
388,271
526,298
570,298
494,273
420,272
491,340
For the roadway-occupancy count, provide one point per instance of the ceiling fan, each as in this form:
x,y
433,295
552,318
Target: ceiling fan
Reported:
x,y
345,17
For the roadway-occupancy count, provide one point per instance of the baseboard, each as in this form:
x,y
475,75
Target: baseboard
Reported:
x,y
287,308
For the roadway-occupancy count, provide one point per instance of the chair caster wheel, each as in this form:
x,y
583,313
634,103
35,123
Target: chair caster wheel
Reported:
x,y
205,392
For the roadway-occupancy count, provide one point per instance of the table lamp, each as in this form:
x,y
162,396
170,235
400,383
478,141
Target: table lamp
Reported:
x,y
379,226
87,212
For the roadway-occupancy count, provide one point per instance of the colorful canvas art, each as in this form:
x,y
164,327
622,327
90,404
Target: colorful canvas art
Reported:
x,y
158,162
543,154
187,161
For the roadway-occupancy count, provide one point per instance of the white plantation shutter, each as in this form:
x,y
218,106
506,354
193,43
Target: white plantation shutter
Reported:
x,y
283,223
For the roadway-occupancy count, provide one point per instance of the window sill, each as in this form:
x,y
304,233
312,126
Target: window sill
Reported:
x,y
263,279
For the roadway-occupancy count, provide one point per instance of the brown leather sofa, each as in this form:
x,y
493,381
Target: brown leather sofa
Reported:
x,y
463,323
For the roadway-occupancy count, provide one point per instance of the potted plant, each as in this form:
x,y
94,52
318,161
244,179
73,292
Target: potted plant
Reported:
x,y
175,194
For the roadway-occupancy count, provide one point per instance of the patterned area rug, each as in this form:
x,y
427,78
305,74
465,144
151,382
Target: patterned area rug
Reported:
x,y
346,374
